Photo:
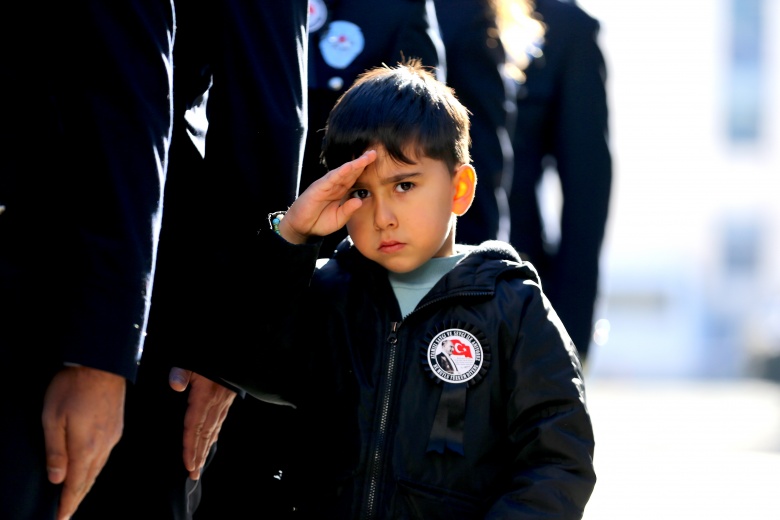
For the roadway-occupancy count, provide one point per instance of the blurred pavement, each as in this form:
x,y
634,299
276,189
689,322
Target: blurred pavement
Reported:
x,y
685,449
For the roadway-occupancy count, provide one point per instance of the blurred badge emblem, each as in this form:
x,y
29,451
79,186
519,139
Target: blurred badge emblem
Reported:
x,y
341,44
318,13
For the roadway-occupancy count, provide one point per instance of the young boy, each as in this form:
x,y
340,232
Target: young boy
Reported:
x,y
390,430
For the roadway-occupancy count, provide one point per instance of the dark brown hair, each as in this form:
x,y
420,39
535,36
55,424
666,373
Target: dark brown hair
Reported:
x,y
398,107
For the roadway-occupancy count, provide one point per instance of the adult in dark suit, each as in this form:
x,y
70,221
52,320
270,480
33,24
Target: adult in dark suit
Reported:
x,y
85,133
562,123
346,38
475,60
238,92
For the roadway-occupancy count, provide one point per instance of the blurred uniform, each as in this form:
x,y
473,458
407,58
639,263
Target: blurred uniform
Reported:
x,y
562,123
475,60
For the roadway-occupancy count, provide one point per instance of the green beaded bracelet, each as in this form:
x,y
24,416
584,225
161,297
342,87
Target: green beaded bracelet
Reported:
x,y
274,219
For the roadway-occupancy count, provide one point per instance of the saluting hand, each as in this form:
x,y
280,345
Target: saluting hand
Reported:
x,y
321,209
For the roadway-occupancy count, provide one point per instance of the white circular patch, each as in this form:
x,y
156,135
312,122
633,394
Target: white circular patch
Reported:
x,y
455,356
341,45
318,13
335,83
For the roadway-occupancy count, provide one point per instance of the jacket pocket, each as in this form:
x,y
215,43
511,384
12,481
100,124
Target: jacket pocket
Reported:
x,y
431,503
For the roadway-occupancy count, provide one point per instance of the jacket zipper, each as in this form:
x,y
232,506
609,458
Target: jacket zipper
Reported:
x,y
375,463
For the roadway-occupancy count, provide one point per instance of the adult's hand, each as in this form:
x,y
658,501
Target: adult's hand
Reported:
x,y
207,408
83,418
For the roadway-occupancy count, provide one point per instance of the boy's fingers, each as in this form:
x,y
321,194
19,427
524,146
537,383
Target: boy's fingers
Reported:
x,y
337,182
355,167
322,208
364,160
349,207
343,178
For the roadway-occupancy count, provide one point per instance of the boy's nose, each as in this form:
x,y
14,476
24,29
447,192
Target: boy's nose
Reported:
x,y
384,216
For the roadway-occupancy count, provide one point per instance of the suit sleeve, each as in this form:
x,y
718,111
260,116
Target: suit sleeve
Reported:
x,y
107,71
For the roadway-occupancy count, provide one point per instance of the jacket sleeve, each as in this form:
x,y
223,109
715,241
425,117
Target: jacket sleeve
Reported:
x,y
259,364
549,425
126,111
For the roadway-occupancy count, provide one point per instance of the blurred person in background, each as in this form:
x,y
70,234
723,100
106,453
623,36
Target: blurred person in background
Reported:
x,y
475,70
561,126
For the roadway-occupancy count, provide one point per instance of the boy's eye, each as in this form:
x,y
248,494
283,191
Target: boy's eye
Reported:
x,y
359,194
404,186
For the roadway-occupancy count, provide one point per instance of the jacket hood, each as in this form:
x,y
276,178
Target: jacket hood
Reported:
x,y
478,271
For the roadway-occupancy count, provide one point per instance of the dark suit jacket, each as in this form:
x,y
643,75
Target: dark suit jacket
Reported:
x,y
562,120
445,363
238,136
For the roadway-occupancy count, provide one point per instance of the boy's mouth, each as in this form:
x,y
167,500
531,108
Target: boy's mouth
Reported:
x,y
390,246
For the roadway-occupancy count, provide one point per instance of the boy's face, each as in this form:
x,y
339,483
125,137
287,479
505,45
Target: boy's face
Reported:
x,y
407,212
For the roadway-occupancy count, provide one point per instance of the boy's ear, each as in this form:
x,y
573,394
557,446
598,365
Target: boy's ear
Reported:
x,y
465,182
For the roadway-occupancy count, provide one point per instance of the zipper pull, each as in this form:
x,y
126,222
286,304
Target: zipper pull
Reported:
x,y
392,338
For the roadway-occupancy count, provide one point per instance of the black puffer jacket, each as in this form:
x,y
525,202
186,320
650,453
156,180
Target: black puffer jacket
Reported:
x,y
386,433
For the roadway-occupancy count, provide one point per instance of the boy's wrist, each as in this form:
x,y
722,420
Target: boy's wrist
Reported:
x,y
288,233
284,229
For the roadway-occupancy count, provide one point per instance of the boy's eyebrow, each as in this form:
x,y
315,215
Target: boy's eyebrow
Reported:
x,y
392,179
399,177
